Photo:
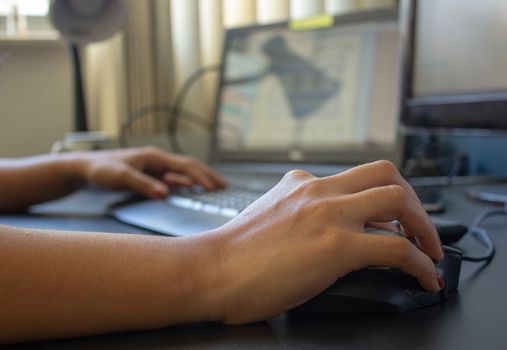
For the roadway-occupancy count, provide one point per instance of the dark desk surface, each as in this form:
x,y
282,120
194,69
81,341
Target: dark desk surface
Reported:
x,y
473,318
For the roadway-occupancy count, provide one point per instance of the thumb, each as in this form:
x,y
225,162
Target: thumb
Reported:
x,y
145,184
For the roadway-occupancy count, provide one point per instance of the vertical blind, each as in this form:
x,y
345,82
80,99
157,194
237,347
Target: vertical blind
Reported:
x,y
166,40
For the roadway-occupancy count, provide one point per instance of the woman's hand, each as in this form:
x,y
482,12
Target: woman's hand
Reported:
x,y
306,232
148,170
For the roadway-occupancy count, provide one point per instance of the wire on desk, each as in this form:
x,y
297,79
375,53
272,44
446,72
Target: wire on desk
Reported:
x,y
482,236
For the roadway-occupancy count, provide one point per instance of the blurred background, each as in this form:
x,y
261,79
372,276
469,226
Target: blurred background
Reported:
x,y
160,45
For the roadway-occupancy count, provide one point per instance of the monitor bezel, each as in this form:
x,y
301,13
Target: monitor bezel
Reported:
x,y
346,156
469,113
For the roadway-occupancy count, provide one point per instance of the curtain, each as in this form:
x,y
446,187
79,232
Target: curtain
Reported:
x,y
166,40
105,84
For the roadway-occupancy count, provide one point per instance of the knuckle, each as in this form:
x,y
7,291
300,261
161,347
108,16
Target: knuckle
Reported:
x,y
150,149
187,160
397,194
387,168
308,190
297,175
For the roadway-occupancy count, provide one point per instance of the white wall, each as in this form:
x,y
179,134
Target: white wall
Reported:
x,y
35,96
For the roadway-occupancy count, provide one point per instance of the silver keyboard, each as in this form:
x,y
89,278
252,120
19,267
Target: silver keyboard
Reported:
x,y
228,202
243,190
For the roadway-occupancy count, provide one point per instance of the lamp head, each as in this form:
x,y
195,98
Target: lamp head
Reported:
x,y
85,21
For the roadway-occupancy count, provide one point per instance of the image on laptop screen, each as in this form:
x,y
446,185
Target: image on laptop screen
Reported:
x,y
318,90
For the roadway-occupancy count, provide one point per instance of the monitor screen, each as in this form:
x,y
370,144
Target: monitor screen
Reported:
x,y
455,64
318,90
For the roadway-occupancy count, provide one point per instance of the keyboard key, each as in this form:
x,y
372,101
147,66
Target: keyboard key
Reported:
x,y
229,212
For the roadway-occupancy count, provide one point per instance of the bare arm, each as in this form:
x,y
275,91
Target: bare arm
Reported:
x,y
36,179
59,284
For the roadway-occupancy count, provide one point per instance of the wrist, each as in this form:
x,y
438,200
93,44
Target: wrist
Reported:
x,y
189,283
73,168
212,282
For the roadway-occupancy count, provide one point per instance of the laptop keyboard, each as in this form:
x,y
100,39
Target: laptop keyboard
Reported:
x,y
228,202
242,191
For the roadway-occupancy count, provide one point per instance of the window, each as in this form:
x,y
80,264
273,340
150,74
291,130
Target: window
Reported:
x,y
24,17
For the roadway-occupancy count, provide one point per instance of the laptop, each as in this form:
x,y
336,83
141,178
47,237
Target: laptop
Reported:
x,y
303,95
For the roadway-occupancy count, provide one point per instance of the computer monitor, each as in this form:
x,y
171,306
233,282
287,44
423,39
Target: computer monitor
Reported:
x,y
325,94
454,65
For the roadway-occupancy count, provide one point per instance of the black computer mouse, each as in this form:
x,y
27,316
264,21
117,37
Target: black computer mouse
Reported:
x,y
385,289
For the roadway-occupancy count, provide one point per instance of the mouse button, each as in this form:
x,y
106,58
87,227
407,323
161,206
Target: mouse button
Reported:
x,y
450,268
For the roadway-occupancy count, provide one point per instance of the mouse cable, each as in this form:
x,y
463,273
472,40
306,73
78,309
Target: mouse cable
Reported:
x,y
176,112
482,236
165,109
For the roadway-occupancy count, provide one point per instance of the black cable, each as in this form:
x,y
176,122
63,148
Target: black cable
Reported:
x,y
178,102
487,214
159,108
481,235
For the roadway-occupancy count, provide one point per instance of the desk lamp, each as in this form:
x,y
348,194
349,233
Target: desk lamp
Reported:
x,y
81,22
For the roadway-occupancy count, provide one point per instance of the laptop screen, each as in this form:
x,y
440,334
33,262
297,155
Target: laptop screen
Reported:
x,y
310,95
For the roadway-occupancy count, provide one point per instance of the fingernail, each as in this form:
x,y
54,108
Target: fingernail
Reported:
x,y
443,248
160,189
441,282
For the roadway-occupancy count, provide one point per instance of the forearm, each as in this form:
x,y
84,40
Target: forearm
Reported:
x,y
32,180
58,284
